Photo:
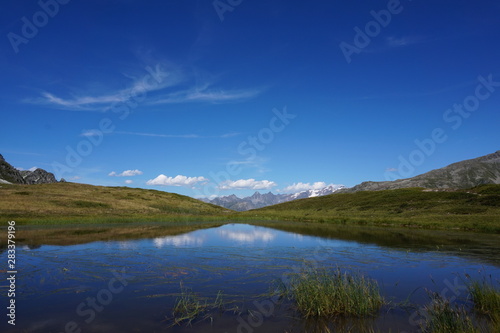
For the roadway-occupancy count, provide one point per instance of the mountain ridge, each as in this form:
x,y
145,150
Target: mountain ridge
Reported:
x,y
258,200
11,175
469,173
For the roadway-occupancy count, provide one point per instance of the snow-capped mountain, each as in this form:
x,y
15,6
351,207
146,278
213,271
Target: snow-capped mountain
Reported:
x,y
258,200
316,193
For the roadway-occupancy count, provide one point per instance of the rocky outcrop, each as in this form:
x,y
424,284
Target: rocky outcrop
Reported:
x,y
9,174
39,176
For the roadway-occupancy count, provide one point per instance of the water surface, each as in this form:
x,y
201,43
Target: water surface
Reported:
x,y
132,286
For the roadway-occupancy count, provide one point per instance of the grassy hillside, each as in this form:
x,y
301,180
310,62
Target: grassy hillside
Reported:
x,y
79,203
474,209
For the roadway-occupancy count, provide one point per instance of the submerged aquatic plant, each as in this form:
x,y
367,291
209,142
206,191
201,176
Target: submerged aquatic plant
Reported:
x,y
189,306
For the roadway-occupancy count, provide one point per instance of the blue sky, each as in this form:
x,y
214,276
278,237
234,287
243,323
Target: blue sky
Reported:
x,y
208,98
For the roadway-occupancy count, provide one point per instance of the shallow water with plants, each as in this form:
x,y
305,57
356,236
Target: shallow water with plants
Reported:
x,y
273,277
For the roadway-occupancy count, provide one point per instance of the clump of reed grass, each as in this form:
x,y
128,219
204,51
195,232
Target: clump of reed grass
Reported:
x,y
486,298
324,293
189,306
442,317
486,302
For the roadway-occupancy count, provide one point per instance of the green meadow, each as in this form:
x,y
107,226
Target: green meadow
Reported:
x,y
64,204
476,209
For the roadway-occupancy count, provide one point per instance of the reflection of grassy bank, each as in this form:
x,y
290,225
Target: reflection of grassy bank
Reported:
x,y
476,246
391,237
388,237
475,209
80,234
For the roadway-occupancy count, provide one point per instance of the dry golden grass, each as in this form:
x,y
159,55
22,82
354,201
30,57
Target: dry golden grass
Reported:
x,y
80,203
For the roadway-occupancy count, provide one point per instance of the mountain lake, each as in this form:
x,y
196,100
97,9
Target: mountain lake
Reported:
x,y
235,274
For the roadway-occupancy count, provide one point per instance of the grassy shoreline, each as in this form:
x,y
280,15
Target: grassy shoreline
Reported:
x,y
476,209
66,204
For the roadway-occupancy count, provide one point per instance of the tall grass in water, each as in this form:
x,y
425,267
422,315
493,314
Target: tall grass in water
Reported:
x,y
323,293
442,317
486,298
486,302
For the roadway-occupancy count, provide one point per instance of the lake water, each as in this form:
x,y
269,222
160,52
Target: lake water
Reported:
x,y
132,286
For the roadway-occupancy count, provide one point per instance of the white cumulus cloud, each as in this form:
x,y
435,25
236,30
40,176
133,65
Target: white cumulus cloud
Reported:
x,y
126,173
299,187
128,181
246,184
178,180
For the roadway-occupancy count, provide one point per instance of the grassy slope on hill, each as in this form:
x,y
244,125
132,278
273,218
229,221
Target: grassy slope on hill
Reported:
x,y
474,209
79,203
69,203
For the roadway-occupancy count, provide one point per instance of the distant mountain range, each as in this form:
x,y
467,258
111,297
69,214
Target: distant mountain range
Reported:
x,y
10,175
461,175
258,200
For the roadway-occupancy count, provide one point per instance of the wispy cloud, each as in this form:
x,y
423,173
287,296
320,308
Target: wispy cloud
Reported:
x,y
90,133
438,91
126,173
403,41
157,78
392,42
162,79
3,151
178,180
180,136
83,103
257,163
206,94
247,184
